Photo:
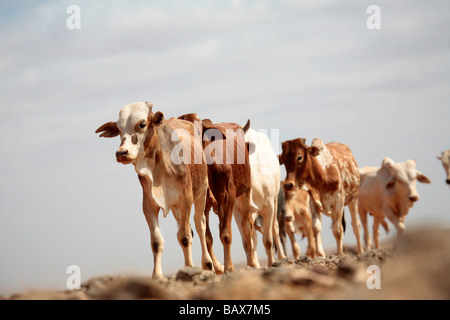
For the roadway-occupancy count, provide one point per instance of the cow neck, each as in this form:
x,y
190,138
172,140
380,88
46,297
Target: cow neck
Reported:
x,y
316,176
153,155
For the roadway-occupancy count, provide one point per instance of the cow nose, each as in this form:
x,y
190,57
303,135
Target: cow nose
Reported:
x,y
448,181
288,186
121,153
414,198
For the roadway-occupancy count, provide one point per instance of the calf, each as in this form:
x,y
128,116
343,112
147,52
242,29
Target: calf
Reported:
x,y
147,142
229,182
303,215
388,191
445,159
331,172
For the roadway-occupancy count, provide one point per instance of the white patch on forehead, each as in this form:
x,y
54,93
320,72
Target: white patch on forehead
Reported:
x,y
131,114
406,170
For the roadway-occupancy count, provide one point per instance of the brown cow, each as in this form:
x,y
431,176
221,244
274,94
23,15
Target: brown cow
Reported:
x,y
148,142
229,182
331,172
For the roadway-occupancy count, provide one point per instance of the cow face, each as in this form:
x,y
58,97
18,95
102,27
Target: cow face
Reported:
x,y
401,184
295,158
445,159
136,127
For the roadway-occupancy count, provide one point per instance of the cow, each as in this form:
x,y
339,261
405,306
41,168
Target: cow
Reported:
x,y
303,216
331,173
229,179
148,142
265,176
445,159
388,192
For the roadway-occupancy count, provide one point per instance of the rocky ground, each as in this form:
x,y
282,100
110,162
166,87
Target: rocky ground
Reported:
x,y
415,267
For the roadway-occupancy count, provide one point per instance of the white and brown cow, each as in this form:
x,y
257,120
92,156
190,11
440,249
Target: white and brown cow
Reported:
x,y
445,159
148,142
330,172
388,192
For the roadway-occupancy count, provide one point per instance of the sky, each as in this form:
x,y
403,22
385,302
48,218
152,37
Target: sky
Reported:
x,y
306,68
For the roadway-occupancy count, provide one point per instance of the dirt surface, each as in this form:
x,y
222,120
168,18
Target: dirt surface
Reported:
x,y
414,267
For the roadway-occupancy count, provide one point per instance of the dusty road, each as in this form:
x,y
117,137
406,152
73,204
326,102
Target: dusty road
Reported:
x,y
414,267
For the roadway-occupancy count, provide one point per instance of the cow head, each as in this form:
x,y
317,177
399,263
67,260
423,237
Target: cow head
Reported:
x,y
296,158
136,127
401,184
445,159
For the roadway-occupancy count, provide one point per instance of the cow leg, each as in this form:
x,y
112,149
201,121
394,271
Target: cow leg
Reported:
x,y
244,221
376,232
337,228
290,230
400,226
218,267
200,226
363,216
255,236
225,219
156,238
268,213
356,225
276,233
317,230
182,214
307,222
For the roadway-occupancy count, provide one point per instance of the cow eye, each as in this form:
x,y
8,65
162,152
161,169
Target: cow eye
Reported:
x,y
143,124
299,158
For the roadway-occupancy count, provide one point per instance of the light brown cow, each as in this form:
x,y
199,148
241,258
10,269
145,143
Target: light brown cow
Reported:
x,y
389,192
148,142
229,182
303,216
329,171
445,159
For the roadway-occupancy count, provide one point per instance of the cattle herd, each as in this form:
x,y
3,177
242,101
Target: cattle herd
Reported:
x,y
190,162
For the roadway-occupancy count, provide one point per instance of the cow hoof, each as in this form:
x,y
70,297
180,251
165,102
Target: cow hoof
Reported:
x,y
219,269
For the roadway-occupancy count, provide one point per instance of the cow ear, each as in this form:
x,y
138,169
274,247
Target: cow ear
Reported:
x,y
387,163
109,130
280,159
158,118
422,178
439,158
314,151
149,106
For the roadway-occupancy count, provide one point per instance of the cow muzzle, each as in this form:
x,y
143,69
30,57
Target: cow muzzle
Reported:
x,y
122,156
414,198
447,181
